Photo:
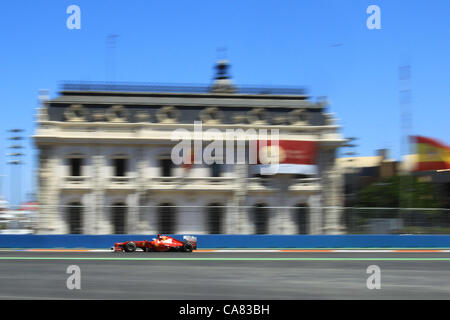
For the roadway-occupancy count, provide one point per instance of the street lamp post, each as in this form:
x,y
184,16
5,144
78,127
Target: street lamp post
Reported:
x,y
350,172
15,160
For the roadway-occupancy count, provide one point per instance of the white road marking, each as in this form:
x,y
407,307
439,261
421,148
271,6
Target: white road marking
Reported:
x,y
238,250
361,251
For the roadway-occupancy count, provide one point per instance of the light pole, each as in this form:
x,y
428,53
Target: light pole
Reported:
x,y
350,172
15,160
405,145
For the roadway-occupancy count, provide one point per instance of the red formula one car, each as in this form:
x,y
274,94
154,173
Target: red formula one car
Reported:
x,y
160,244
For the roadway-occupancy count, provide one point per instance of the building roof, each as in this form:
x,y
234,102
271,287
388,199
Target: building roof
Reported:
x,y
135,88
359,162
182,99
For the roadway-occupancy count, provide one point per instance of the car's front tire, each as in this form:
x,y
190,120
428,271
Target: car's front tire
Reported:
x,y
188,247
130,247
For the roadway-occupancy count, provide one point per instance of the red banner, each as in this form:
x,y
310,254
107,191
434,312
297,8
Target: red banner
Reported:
x,y
287,152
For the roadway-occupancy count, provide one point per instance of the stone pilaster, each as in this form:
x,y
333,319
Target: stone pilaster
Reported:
x,y
43,176
99,191
239,222
48,193
315,213
331,180
280,216
141,218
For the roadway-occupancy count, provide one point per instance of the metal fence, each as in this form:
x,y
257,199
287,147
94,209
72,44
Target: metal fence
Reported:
x,y
219,219
396,220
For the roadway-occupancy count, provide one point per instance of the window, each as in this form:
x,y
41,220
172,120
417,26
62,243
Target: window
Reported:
x,y
75,166
119,218
215,218
166,167
166,218
120,166
301,218
216,170
75,218
261,218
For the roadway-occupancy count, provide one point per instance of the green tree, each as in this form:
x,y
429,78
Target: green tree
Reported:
x,y
399,191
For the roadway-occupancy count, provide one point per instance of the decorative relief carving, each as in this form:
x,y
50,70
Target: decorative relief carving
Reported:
x,y
257,116
168,114
298,117
117,113
75,112
211,115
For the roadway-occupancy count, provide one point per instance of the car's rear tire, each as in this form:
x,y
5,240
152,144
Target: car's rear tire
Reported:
x,y
130,247
188,247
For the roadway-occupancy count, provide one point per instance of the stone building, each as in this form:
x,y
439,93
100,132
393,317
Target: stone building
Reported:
x,y
105,161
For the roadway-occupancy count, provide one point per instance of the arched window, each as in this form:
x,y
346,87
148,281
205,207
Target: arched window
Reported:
x,y
166,218
214,218
301,218
75,218
261,218
119,218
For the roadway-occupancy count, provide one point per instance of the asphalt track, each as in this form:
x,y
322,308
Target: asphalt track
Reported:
x,y
230,275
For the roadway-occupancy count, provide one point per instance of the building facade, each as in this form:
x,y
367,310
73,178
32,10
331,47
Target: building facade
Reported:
x,y
105,161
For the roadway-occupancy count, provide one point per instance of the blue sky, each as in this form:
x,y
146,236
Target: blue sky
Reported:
x,y
269,43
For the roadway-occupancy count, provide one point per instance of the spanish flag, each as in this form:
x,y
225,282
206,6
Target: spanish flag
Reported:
x,y
431,154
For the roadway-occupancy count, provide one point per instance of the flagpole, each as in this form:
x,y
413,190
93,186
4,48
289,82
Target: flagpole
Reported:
x,y
405,109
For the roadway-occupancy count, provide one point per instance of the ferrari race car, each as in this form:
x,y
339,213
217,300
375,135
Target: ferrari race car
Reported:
x,y
159,244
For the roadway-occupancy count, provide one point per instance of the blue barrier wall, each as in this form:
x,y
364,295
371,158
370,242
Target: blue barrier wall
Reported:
x,y
235,241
